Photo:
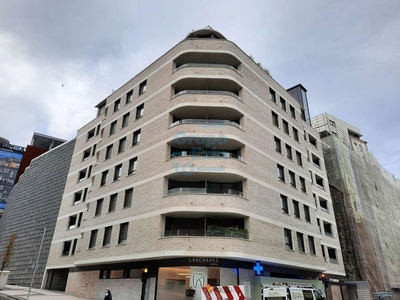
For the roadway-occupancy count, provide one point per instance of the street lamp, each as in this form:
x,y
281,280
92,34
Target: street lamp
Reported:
x,y
36,263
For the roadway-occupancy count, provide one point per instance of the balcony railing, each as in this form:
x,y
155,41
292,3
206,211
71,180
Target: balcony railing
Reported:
x,y
206,122
189,190
208,154
217,232
200,65
207,92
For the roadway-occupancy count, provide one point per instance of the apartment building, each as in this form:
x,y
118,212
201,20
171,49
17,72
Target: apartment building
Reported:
x,y
200,170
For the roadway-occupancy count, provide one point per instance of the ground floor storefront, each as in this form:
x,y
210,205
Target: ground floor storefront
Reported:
x,y
174,278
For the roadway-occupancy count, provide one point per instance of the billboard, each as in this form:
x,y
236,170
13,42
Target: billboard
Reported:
x,y
9,164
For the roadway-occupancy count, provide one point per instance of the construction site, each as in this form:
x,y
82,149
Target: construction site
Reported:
x,y
366,201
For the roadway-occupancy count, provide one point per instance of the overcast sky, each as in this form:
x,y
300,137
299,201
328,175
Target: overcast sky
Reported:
x,y
58,59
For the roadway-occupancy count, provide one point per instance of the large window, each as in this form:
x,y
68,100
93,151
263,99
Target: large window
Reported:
x,y
278,145
275,120
300,242
281,172
136,137
113,203
311,244
117,105
117,172
132,165
104,177
99,206
285,126
296,209
128,197
113,126
121,145
108,151
307,216
142,87
332,255
93,238
288,239
129,97
289,152
123,233
285,207
272,95
125,120
292,179
139,111
66,248
107,236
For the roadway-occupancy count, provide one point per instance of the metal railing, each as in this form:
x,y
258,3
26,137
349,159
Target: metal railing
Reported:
x,y
189,190
206,122
207,154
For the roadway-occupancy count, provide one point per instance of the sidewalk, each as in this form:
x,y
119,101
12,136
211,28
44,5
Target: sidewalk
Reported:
x,y
21,293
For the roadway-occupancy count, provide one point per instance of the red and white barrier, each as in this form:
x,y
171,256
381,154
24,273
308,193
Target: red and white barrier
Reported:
x,y
230,292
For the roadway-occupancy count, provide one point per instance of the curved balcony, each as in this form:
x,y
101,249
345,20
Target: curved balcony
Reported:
x,y
194,190
206,122
206,153
206,92
207,59
205,65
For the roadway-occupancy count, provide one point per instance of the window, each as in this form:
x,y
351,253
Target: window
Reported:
x,y
323,251
136,137
139,111
332,255
319,225
278,146
123,233
74,246
66,248
289,153
89,171
117,105
285,207
323,203
313,140
94,149
288,239
82,175
275,120
91,133
125,120
319,181
295,134
86,154
316,160
99,206
292,179
117,172
281,172
109,151
292,112
101,109
285,126
107,236
303,184
296,209
93,238
77,198
113,202
121,145
272,95
129,97
311,244
300,242
132,165
128,197
283,104
72,222
104,177
299,159
327,228
307,216
113,126
80,215
142,87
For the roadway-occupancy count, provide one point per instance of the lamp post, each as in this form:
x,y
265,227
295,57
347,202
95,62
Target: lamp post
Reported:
x,y
36,263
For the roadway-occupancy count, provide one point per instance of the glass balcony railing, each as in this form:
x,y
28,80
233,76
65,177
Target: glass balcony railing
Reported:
x,y
207,92
205,65
214,231
206,122
210,154
189,190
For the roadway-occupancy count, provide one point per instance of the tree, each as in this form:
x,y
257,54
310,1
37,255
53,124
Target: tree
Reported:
x,y
260,65
8,253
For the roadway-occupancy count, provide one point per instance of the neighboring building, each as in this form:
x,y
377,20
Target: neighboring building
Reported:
x,y
366,199
196,169
33,205
10,160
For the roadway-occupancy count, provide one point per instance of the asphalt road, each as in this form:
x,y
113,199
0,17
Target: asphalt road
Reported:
x,y
2,297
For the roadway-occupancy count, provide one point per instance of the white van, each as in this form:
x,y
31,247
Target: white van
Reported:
x,y
291,292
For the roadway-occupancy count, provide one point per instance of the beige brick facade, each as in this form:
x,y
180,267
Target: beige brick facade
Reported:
x,y
260,203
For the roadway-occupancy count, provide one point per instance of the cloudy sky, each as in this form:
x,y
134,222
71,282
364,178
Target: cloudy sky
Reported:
x,y
58,59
